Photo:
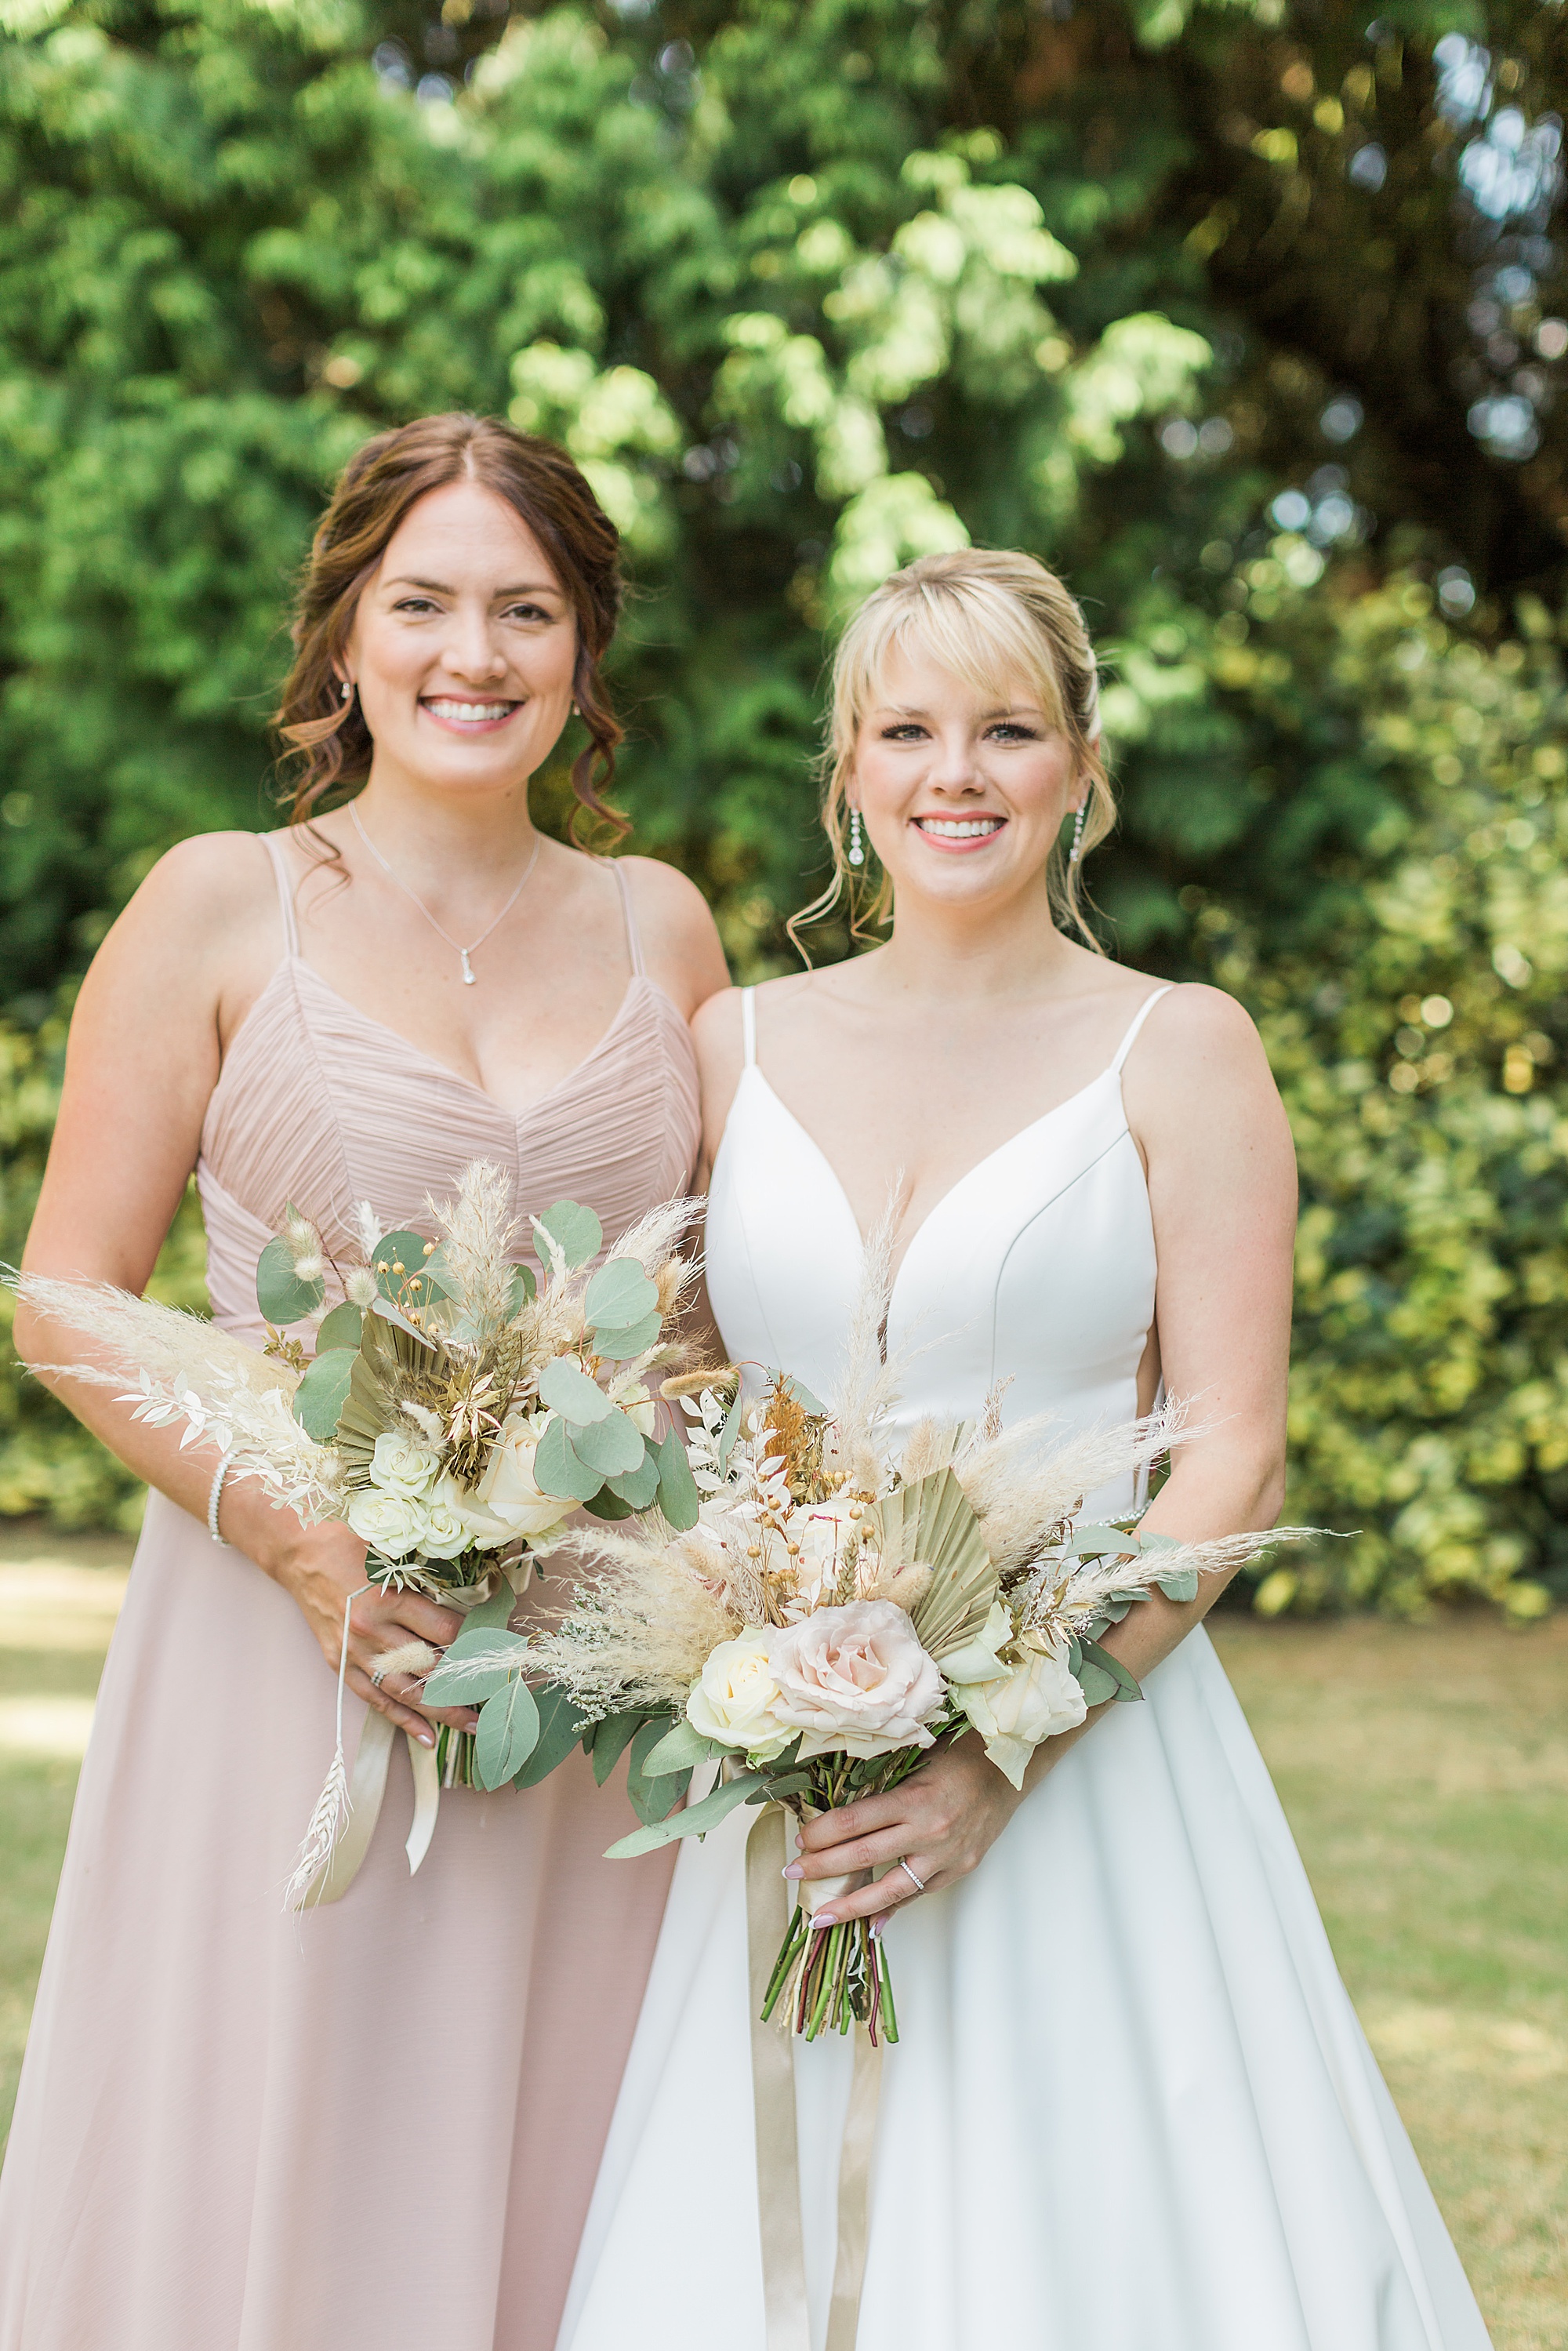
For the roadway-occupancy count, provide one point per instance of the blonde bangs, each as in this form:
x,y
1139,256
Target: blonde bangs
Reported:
x,y
996,620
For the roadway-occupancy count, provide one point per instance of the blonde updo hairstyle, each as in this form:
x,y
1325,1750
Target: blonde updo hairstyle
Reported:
x,y
992,618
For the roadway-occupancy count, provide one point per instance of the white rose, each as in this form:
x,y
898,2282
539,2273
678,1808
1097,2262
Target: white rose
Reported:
x,y
508,1494
641,1410
856,1680
447,1529
1038,1698
400,1465
734,1700
391,1524
978,1660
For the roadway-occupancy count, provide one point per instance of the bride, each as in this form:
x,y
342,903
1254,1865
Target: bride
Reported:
x,y
1132,2108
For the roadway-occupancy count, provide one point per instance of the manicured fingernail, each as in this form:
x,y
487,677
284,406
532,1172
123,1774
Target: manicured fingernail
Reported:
x,y
797,1845
876,1930
425,1737
822,1918
795,1869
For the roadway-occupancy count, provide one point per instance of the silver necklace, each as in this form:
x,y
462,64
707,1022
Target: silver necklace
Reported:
x,y
474,945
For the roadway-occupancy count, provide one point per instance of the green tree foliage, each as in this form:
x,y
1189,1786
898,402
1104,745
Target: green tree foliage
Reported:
x,y
1240,315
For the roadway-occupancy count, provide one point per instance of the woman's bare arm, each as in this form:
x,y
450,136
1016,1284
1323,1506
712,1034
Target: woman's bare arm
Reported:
x,y
176,972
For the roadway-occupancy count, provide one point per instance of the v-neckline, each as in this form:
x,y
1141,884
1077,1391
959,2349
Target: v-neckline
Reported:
x,y
407,1048
753,1071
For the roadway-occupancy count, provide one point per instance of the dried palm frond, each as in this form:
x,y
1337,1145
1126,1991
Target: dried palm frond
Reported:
x,y
931,1525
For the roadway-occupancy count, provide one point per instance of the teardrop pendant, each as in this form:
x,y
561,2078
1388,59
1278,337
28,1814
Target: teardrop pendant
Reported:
x,y
468,978
857,853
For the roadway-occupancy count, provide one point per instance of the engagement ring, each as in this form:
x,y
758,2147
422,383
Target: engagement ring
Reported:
x,y
918,1883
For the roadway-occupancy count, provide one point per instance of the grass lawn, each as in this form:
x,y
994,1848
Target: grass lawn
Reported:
x,y
1424,1768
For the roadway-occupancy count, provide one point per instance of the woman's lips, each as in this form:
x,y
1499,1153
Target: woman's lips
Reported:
x,y
460,717
959,836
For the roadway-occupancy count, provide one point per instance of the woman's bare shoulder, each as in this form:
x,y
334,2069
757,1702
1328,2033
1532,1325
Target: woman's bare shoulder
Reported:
x,y
680,937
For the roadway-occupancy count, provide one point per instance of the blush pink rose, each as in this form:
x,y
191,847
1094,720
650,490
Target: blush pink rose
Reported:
x,y
855,1680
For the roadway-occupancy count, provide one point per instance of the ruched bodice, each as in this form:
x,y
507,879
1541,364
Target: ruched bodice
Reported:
x,y
1035,1268
323,1106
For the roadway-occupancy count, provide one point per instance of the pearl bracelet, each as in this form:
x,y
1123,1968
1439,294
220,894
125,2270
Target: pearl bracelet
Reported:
x,y
214,1498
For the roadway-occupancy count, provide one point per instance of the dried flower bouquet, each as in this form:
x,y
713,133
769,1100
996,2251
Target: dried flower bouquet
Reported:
x,y
842,1606
453,1410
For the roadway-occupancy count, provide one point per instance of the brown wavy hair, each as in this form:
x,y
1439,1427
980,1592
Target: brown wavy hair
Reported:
x,y
325,737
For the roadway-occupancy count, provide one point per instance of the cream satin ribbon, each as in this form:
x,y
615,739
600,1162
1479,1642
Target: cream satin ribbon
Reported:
x,y
778,2154
366,1791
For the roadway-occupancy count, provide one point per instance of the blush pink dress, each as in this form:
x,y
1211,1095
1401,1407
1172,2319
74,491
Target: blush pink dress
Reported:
x,y
377,2124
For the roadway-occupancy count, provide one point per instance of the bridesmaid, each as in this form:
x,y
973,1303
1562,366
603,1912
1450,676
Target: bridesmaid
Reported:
x,y
377,2123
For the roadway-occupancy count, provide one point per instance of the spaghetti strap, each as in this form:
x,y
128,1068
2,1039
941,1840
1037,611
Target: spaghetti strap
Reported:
x,y
279,856
749,1024
633,936
1144,1011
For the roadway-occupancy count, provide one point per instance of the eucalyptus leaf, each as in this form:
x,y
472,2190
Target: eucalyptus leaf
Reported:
x,y
566,1387
639,1486
618,1295
558,1470
730,1431
678,1496
576,1231
1095,1683
481,1660
525,1289
323,1391
437,1273
652,1794
559,1725
695,1820
613,1446
341,1328
1096,1659
1159,1541
607,1505
612,1737
801,1395
620,1346
406,1249
507,1734
1182,1585
681,1749
497,1609
1101,1543
280,1295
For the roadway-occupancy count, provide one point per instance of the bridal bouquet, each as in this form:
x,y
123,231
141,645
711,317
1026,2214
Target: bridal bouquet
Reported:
x,y
454,1409
839,1606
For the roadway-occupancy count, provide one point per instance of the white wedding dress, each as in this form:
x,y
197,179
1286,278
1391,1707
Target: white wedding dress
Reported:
x,y
1132,2108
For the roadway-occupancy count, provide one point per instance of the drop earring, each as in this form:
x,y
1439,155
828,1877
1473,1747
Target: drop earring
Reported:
x,y
1076,851
348,692
857,851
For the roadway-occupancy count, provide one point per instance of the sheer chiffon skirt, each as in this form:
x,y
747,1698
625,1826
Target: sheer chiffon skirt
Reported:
x,y
378,2123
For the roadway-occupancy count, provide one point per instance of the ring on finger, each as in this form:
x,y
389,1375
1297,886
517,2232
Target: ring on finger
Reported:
x,y
377,1678
918,1883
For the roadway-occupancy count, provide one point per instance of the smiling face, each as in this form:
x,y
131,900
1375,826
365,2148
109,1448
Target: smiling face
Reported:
x,y
463,647
963,790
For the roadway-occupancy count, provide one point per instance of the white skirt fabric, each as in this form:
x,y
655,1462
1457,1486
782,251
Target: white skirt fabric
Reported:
x,y
1132,2108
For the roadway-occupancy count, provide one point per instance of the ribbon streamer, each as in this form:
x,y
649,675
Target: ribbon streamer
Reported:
x,y
778,2154
366,1791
